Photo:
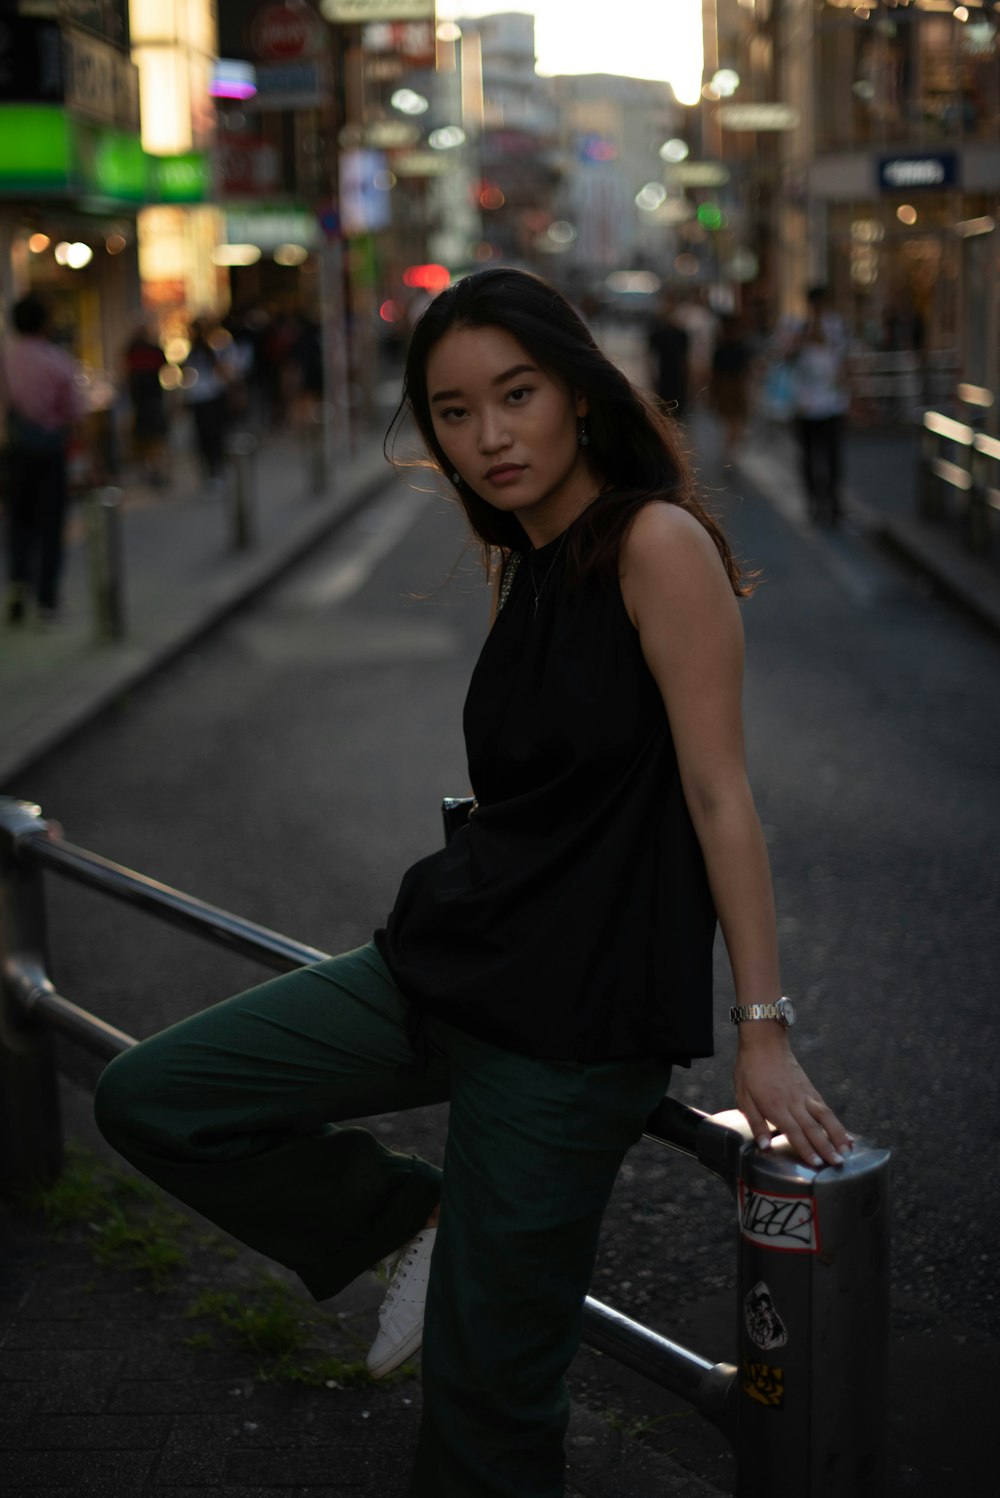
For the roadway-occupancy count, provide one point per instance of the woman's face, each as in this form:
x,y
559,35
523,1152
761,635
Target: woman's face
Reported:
x,y
509,429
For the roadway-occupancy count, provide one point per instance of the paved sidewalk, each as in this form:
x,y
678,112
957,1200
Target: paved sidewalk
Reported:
x,y
182,574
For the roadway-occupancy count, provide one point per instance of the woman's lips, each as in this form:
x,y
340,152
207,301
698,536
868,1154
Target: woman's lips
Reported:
x,y
508,473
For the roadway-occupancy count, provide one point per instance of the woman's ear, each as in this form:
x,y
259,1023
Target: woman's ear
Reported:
x,y
582,404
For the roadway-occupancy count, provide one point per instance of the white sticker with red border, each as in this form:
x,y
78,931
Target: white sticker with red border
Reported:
x,y
787,1223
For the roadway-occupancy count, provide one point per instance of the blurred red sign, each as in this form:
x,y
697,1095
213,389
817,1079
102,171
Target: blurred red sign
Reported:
x,y
245,167
284,33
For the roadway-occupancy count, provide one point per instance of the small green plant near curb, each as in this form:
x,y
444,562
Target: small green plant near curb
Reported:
x,y
124,1218
125,1223
279,1329
637,1430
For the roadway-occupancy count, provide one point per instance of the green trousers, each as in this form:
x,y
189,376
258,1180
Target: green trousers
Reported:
x,y
238,1111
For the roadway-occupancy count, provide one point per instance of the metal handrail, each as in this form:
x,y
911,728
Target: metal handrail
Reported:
x,y
829,1439
968,488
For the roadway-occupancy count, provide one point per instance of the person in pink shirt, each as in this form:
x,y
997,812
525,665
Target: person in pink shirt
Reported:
x,y
41,399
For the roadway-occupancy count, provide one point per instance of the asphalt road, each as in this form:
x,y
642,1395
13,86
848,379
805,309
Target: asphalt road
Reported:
x,y
292,767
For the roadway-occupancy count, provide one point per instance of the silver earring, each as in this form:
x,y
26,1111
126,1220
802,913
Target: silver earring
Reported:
x,y
456,478
582,435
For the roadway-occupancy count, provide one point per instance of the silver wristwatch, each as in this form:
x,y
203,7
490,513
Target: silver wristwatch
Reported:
x,y
783,1011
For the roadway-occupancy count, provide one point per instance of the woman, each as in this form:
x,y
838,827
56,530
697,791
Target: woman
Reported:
x,y
543,971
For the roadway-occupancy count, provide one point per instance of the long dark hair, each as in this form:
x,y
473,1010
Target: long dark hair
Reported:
x,y
633,443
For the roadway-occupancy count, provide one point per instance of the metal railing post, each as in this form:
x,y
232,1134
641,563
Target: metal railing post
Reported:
x,y
808,1416
30,1129
242,447
813,1304
986,451
929,489
104,532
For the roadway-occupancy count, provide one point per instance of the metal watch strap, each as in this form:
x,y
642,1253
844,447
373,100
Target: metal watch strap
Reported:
x,y
740,1013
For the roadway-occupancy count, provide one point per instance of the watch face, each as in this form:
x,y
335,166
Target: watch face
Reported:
x,y
786,1010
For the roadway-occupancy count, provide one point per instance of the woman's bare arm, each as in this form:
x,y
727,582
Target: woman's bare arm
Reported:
x,y
680,600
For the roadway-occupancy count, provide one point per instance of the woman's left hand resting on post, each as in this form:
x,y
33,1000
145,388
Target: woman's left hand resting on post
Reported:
x,y
772,1089
680,600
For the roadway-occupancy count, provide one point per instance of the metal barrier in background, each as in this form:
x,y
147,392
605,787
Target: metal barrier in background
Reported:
x,y
960,479
805,1408
104,541
242,450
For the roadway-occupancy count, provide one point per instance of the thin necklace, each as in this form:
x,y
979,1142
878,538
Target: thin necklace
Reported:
x,y
538,588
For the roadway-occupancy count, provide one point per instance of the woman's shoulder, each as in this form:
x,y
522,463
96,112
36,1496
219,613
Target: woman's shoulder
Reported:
x,y
669,560
664,528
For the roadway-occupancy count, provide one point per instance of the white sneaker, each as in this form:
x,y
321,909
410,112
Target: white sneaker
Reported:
x,y
401,1314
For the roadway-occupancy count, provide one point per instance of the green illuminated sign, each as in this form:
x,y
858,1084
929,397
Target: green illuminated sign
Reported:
x,y
44,150
181,179
35,148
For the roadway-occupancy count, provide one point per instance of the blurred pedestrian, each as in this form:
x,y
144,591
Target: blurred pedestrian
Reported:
x,y
42,400
144,361
547,967
699,323
729,386
205,388
822,398
669,354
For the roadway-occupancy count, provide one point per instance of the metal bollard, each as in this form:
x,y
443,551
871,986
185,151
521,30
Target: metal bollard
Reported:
x,y
30,1131
104,532
242,448
807,1416
316,447
813,1299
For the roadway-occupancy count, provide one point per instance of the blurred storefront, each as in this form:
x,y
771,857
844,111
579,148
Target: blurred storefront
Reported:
x,y
868,135
72,169
105,183
907,174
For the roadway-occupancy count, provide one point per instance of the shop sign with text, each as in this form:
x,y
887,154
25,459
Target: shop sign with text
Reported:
x,y
358,12
913,173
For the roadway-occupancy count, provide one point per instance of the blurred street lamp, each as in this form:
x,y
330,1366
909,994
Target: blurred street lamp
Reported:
x,y
725,83
446,138
408,101
651,197
674,151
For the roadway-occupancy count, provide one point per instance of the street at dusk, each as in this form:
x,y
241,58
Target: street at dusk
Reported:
x,y
236,644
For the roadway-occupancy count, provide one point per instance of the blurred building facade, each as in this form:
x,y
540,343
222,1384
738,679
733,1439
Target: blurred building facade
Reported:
x,y
867,142
612,130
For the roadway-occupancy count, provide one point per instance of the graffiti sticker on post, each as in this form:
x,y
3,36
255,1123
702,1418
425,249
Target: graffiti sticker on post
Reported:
x,y
764,1383
763,1323
788,1223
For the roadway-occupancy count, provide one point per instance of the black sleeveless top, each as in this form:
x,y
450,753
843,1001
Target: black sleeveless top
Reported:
x,y
571,918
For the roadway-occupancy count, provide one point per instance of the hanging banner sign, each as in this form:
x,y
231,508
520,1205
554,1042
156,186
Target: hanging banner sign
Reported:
x,y
359,12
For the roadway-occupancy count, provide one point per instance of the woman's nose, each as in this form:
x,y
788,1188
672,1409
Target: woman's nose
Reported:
x,y
493,434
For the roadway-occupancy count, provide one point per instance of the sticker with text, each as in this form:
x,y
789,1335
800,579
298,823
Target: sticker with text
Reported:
x,y
764,1325
782,1222
764,1383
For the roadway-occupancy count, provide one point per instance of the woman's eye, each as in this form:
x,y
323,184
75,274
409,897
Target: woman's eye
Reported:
x,y
519,394
452,411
